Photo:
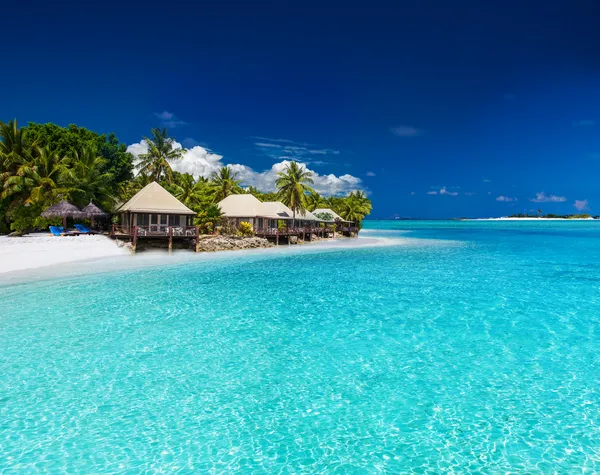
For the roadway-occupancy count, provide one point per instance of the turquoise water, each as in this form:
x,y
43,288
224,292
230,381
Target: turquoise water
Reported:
x,y
471,347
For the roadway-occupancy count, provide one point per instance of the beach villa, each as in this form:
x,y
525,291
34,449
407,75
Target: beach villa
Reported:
x,y
274,219
155,213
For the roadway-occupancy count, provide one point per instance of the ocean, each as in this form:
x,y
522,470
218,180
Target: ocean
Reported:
x,y
458,346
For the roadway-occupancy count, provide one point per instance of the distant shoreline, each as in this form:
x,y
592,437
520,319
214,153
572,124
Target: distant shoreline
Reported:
x,y
529,218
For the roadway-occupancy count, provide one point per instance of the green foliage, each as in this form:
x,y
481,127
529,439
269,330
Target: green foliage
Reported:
x,y
209,218
161,152
324,216
292,187
245,229
281,224
64,140
224,183
43,163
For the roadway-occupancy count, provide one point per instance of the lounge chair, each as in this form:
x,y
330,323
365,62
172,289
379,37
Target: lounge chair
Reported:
x,y
83,230
56,230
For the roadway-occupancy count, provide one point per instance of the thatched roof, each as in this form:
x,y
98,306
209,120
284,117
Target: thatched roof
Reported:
x,y
92,210
64,209
153,198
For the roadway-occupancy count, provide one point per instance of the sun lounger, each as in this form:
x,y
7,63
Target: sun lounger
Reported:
x,y
56,230
83,230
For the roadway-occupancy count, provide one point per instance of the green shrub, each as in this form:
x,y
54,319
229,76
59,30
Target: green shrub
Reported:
x,y
246,229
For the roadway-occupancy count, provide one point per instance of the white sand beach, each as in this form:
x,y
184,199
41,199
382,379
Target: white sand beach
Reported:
x,y
37,250
43,256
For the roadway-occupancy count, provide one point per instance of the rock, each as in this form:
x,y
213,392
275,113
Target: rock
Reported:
x,y
231,243
16,234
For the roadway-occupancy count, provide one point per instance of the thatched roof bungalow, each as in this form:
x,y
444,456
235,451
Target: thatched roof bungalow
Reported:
x,y
155,208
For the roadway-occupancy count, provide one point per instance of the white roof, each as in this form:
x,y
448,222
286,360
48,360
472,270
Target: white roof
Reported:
x,y
307,216
276,210
240,206
331,212
153,198
248,206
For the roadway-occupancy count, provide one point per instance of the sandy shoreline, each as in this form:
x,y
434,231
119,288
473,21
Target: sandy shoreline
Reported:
x,y
37,250
41,256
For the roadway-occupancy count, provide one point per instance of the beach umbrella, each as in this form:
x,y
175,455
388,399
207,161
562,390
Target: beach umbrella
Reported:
x,y
63,210
92,211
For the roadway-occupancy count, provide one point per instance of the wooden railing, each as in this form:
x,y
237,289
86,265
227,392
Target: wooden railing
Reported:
x,y
154,230
297,231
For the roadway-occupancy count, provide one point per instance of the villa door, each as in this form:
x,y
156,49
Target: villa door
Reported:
x,y
153,223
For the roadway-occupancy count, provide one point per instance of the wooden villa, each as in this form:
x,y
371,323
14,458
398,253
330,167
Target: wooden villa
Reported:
x,y
154,214
273,219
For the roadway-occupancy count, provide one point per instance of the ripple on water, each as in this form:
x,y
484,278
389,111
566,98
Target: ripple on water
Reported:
x,y
469,358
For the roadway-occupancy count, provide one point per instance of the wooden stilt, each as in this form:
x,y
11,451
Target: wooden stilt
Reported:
x,y
197,238
170,239
277,238
134,240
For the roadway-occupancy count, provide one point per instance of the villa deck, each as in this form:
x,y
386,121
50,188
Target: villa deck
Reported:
x,y
171,233
304,231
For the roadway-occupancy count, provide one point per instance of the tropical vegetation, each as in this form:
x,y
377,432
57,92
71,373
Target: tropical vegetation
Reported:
x,y
40,164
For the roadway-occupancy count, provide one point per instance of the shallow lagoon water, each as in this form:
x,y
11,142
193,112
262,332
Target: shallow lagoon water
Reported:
x,y
469,347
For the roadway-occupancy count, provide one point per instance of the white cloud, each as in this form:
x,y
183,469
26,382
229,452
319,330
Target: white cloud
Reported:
x,y
581,205
197,160
200,161
487,180
469,193
543,198
324,184
506,199
406,131
412,193
444,191
284,149
168,119
370,173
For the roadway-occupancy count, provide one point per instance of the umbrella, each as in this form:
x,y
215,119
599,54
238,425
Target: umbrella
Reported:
x,y
91,211
63,210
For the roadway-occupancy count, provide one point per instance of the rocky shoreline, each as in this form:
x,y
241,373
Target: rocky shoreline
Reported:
x,y
215,243
231,243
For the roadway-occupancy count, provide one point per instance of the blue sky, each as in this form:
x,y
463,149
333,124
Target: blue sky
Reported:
x,y
438,109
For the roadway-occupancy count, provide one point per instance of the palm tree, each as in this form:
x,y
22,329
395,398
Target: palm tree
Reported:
x,y
292,187
224,183
161,152
209,217
188,191
86,179
314,200
37,180
353,210
15,149
361,197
